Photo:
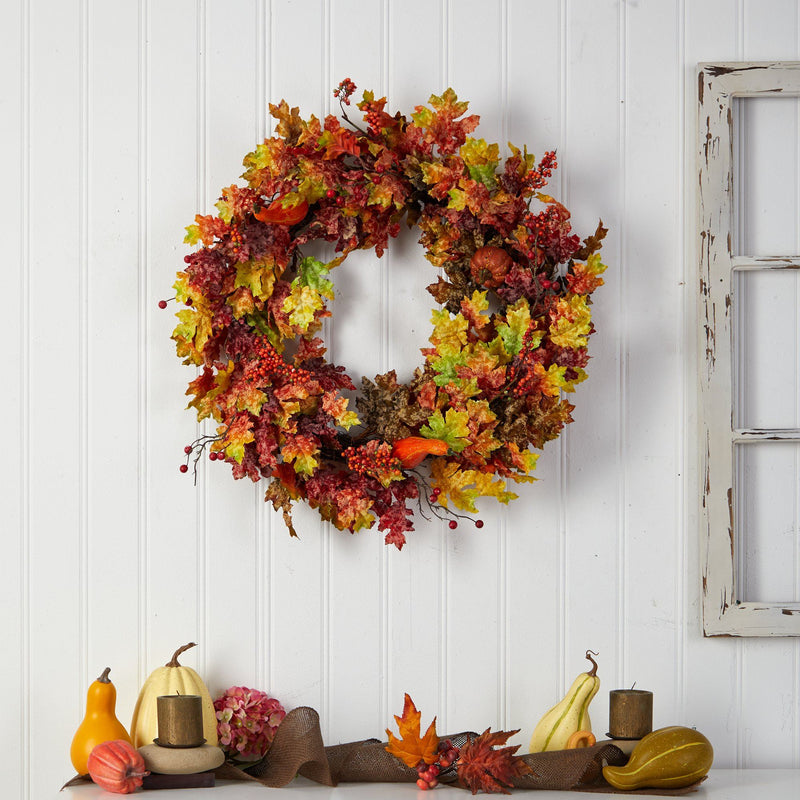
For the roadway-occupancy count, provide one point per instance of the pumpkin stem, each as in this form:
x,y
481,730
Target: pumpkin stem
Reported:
x,y
104,677
174,661
594,663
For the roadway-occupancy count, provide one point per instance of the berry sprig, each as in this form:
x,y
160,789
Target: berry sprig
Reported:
x,y
344,91
537,177
440,512
429,773
197,448
372,459
268,365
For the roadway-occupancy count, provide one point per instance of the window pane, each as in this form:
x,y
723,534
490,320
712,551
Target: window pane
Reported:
x,y
767,540
765,341
765,141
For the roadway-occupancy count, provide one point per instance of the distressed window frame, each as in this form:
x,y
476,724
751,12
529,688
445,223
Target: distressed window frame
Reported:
x,y
718,84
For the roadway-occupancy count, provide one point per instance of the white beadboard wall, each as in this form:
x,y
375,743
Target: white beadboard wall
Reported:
x,y
121,120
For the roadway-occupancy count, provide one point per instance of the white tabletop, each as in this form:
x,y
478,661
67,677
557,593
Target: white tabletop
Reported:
x,y
721,784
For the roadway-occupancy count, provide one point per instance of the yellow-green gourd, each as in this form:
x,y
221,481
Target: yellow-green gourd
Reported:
x,y
668,758
172,678
569,715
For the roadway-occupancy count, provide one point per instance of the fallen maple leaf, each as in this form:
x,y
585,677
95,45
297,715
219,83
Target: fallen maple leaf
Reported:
x,y
482,768
411,748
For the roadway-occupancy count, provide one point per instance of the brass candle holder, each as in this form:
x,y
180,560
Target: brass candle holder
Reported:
x,y
630,714
180,720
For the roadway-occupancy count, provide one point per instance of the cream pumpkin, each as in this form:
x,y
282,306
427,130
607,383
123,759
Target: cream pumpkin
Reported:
x,y
172,678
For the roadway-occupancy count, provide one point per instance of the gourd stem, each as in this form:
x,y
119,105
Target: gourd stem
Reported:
x,y
593,673
104,677
174,661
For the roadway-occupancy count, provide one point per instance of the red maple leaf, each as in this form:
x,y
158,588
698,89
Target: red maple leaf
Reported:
x,y
483,768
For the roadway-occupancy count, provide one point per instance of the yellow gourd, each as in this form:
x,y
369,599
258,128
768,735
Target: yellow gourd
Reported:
x,y
669,758
172,678
100,723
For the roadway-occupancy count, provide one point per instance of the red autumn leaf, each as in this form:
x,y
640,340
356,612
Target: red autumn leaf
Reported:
x,y
483,768
279,214
340,142
411,748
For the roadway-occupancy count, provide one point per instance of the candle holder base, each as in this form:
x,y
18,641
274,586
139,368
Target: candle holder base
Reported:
x,y
179,746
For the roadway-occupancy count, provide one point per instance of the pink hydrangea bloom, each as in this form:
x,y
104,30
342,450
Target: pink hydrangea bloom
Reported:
x,y
246,722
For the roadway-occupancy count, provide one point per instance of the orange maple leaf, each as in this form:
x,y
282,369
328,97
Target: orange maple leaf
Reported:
x,y
411,748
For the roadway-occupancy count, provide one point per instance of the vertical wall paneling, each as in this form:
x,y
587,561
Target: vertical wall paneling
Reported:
x,y
142,251
474,556
298,567
119,124
111,328
415,585
712,693
14,130
595,474
651,353
534,610
171,577
56,469
263,633
231,506
769,220
357,566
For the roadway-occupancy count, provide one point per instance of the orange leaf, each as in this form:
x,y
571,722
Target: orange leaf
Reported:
x,y
279,214
411,748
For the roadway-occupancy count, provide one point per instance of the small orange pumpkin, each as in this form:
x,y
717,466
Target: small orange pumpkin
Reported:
x,y
279,214
117,767
412,450
489,265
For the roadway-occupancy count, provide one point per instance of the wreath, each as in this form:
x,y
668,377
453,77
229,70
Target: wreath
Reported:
x,y
509,336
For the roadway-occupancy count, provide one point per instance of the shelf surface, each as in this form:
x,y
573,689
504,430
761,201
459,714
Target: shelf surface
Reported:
x,y
721,784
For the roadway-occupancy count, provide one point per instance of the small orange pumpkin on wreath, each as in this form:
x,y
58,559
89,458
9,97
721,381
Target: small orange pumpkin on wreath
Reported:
x,y
509,336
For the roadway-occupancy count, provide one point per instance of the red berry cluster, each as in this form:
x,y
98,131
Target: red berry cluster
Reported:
x,y
429,773
371,460
237,240
269,365
374,120
344,91
538,176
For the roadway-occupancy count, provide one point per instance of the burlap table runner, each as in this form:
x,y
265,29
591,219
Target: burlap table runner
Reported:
x,y
298,749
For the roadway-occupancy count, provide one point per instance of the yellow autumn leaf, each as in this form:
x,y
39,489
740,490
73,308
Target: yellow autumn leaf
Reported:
x,y
301,306
449,332
570,322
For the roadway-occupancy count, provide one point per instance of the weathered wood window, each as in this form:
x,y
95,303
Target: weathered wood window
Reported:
x,y
750,382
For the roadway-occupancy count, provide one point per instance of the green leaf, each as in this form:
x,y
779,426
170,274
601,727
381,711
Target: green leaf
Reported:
x,y
484,173
312,273
512,332
452,428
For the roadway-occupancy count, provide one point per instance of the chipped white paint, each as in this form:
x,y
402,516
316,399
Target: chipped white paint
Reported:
x,y
723,611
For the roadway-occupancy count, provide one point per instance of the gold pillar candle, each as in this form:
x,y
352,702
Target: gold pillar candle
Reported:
x,y
630,713
180,720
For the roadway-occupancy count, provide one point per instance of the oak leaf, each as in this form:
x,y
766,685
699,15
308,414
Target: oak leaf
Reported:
x,y
411,747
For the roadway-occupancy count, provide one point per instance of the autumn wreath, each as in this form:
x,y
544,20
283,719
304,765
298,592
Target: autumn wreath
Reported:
x,y
509,336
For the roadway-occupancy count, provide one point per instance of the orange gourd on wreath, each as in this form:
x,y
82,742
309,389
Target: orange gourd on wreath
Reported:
x,y
100,723
510,334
